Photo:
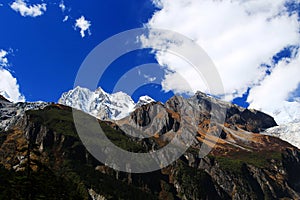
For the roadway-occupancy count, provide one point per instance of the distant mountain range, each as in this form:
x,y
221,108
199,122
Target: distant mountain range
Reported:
x,y
119,105
105,106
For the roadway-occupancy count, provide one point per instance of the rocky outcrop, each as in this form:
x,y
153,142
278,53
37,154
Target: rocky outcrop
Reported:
x,y
3,99
10,112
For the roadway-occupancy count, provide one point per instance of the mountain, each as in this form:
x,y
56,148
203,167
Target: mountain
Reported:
x,y
3,98
101,104
143,100
119,105
42,156
289,132
4,95
11,112
288,118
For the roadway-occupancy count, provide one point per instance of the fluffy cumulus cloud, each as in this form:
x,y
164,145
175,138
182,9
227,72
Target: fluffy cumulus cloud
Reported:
x,y
9,87
241,37
83,25
28,10
272,93
3,59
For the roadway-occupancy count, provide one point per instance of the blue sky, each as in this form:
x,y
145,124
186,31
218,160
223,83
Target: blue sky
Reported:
x,y
47,52
254,45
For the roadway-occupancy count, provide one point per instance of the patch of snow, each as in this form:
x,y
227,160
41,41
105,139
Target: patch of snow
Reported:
x,y
289,132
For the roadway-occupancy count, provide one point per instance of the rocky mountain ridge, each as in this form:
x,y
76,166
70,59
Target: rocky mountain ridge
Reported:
x,y
117,106
3,98
10,112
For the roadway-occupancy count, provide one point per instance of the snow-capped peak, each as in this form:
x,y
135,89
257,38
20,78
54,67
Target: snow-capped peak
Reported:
x,y
101,104
78,98
146,99
143,100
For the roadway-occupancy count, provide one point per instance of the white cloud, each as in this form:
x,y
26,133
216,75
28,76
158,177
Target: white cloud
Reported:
x,y
10,87
66,18
149,78
8,84
238,35
83,25
3,59
28,10
272,93
62,6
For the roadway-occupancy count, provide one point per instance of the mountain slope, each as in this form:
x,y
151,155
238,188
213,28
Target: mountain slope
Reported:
x,y
242,164
101,104
3,98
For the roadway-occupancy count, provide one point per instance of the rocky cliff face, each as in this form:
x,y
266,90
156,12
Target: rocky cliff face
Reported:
x,y
10,112
243,164
199,109
3,98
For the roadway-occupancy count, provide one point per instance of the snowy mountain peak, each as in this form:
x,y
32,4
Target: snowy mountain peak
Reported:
x,y
146,99
121,96
101,104
99,90
143,100
78,98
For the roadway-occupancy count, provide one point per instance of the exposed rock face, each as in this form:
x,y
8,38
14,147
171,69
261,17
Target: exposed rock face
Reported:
x,y
243,164
11,112
195,113
249,120
3,99
254,175
95,196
